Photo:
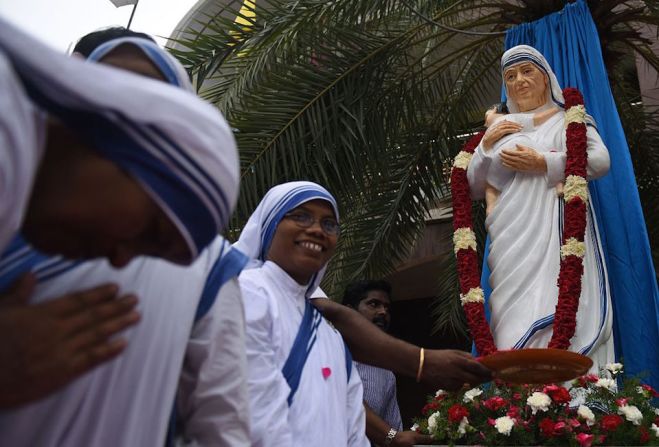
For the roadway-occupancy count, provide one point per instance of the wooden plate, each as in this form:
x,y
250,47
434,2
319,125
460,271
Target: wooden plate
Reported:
x,y
537,365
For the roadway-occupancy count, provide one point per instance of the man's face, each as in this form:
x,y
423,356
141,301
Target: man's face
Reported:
x,y
375,307
100,210
300,251
526,85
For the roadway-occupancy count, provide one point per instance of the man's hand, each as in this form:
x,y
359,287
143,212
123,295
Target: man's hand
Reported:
x,y
524,159
498,131
450,369
44,346
410,438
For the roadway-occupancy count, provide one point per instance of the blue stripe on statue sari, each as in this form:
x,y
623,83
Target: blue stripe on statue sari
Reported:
x,y
549,319
604,309
568,39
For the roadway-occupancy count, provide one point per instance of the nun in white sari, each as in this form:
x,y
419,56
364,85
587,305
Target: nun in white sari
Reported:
x,y
190,342
179,149
302,386
525,225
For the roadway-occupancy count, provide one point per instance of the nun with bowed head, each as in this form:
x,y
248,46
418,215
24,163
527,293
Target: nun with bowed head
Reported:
x,y
303,389
525,223
97,163
191,335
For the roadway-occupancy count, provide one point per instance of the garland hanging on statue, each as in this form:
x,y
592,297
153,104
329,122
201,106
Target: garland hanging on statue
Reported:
x,y
572,248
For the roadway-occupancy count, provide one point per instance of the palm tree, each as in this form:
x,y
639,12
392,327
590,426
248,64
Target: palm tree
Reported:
x,y
372,97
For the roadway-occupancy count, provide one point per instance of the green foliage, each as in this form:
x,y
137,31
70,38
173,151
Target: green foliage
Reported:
x,y
369,98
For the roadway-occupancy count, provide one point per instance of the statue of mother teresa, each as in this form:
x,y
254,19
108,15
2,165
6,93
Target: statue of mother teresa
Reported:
x,y
526,222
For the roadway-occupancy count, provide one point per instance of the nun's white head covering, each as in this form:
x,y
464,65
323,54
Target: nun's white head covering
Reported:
x,y
168,65
177,146
260,228
524,53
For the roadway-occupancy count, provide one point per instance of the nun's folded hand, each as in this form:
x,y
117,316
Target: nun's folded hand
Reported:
x,y
44,346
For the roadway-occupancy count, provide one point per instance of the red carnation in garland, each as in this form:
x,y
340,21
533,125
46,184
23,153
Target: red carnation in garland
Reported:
x,y
573,224
547,427
495,403
457,412
572,97
645,435
611,422
558,394
585,440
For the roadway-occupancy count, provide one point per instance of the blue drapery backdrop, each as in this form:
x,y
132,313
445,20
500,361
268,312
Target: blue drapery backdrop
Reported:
x,y
568,39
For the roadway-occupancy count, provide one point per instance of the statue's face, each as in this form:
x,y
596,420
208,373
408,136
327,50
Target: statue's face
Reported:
x,y
526,85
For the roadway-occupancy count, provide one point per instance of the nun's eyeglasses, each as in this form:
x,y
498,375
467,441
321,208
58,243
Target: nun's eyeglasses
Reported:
x,y
305,220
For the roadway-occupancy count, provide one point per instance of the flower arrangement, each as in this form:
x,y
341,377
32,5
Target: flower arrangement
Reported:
x,y
572,248
590,411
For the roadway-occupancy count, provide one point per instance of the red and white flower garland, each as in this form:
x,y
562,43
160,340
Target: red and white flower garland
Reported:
x,y
572,249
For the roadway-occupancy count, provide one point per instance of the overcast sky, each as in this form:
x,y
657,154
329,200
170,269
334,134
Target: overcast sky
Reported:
x,y
61,22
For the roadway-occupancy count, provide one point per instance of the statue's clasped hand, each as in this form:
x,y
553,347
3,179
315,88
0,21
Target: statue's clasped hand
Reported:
x,y
498,131
524,159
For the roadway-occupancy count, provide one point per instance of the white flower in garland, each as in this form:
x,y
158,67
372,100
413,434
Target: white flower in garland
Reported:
x,y
504,425
471,395
432,421
586,414
475,295
464,238
538,402
631,413
575,186
614,368
575,114
440,392
414,427
462,160
609,384
573,247
462,428
655,429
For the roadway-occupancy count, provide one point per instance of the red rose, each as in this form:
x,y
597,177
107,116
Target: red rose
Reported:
x,y
585,440
495,403
645,435
610,422
547,427
457,412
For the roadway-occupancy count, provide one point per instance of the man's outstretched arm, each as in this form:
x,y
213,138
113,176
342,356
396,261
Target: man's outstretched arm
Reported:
x,y
447,369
